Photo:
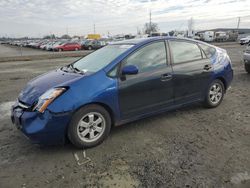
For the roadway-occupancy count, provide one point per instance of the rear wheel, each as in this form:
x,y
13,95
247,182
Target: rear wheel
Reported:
x,y
89,126
247,68
76,49
60,50
89,48
214,94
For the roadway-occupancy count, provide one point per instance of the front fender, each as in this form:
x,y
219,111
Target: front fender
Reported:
x,y
95,88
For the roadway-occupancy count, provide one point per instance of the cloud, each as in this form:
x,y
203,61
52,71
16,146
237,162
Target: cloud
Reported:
x,y
37,18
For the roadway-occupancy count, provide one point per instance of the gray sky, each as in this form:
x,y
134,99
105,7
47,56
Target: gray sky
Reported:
x,y
38,18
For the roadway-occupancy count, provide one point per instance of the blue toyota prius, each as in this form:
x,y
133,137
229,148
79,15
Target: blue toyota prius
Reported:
x,y
120,83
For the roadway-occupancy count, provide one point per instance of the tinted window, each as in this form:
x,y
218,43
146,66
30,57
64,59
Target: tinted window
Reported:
x,y
148,58
184,51
209,51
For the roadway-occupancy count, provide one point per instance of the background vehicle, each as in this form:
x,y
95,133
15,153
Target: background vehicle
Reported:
x,y
120,83
84,43
49,46
55,45
245,40
208,36
246,58
69,46
221,36
93,44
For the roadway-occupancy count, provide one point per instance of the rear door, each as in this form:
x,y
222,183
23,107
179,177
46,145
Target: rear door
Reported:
x,y
192,70
151,89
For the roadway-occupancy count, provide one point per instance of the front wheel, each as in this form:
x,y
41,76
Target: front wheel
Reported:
x,y
89,126
247,68
215,94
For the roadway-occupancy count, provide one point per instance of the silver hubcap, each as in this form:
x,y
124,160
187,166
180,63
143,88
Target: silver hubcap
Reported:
x,y
91,127
215,93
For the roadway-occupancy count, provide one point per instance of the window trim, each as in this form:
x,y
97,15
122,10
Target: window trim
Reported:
x,y
117,67
183,40
123,61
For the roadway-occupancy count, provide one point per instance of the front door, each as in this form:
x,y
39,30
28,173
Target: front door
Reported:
x,y
152,88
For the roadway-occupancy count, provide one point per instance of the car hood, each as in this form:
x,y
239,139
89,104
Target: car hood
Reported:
x,y
36,87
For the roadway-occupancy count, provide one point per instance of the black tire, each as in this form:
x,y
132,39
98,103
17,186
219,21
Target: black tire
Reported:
x,y
60,50
247,68
89,48
73,126
208,102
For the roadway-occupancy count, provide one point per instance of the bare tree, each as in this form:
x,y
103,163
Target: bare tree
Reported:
x,y
150,28
65,36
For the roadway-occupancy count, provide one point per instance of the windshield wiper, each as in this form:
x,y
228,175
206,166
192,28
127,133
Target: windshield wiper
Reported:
x,y
76,69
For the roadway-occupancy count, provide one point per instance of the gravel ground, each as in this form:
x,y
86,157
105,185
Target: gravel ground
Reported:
x,y
189,147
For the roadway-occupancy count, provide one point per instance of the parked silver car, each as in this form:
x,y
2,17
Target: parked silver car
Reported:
x,y
246,58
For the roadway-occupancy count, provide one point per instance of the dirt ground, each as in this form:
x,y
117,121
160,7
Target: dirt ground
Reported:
x,y
189,147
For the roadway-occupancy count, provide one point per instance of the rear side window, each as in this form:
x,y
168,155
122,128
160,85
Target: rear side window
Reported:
x,y
184,51
149,58
209,51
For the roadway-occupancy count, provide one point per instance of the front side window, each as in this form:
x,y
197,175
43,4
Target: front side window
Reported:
x,y
149,58
184,51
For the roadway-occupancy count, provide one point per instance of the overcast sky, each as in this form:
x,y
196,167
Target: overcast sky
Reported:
x,y
77,17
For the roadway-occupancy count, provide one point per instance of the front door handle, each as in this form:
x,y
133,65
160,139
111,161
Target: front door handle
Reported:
x,y
207,67
166,77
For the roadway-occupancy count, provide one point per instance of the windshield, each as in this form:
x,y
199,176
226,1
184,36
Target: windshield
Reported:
x,y
100,58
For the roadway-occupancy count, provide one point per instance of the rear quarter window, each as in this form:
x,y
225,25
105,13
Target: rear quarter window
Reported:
x,y
208,50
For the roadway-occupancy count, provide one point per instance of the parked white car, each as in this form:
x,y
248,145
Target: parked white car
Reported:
x,y
245,40
49,46
246,58
57,44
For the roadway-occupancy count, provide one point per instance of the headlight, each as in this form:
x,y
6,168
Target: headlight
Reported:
x,y
47,98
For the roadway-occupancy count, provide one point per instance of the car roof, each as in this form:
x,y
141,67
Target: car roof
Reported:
x,y
150,39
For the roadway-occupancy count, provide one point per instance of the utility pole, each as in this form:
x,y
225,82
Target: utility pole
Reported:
x,y
238,25
94,28
190,28
150,22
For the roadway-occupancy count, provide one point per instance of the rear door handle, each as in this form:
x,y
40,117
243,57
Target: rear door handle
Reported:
x,y
166,77
207,67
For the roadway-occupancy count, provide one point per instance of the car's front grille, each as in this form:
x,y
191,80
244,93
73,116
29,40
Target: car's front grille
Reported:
x,y
22,105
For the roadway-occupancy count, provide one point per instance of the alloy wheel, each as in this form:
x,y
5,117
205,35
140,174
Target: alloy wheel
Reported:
x,y
215,93
91,127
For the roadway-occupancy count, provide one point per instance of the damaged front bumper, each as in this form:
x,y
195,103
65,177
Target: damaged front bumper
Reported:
x,y
46,128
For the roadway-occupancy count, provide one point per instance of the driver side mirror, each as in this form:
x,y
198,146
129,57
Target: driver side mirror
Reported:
x,y
129,70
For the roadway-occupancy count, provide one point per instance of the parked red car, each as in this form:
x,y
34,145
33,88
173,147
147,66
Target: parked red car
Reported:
x,y
70,46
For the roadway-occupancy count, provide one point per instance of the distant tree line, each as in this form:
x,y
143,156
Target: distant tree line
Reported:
x,y
65,36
